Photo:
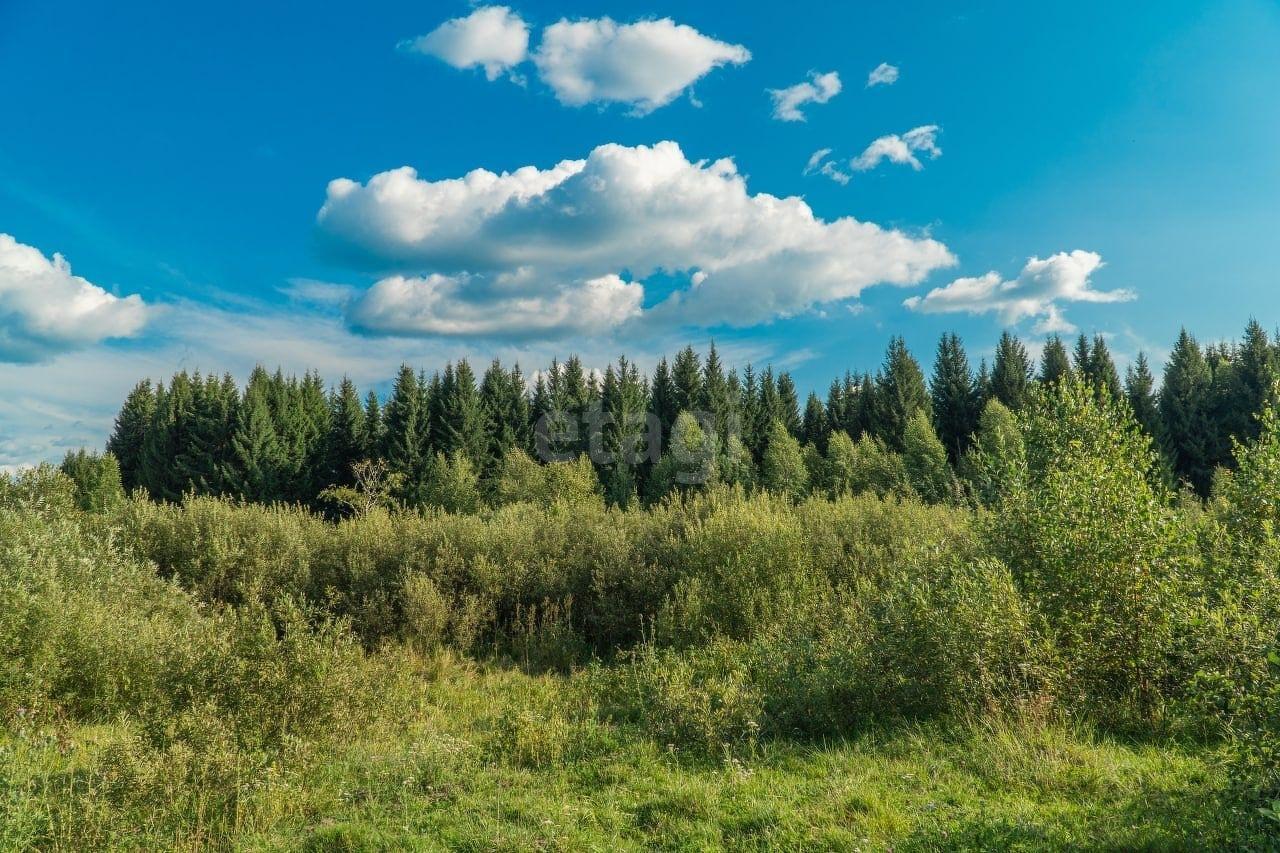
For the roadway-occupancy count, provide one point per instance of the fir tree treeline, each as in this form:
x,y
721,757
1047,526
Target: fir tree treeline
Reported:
x,y
447,439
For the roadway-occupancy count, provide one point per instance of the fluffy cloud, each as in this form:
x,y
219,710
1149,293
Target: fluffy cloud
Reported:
x,y
819,89
553,246
1036,292
900,149
883,74
492,37
45,310
645,64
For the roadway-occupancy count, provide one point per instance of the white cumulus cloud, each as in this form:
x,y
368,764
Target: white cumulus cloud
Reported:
x,y
46,310
883,74
818,89
1037,292
900,149
646,64
551,247
492,37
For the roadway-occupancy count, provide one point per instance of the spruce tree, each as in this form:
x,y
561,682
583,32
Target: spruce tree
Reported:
x,y
665,400
346,443
749,409
686,374
816,428
1011,372
954,396
130,433
789,404
260,463
1254,381
1102,370
1139,389
900,393
374,435
1185,430
406,441
464,419
1055,364
716,396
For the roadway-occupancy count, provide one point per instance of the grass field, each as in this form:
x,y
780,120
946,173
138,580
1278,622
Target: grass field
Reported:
x,y
496,759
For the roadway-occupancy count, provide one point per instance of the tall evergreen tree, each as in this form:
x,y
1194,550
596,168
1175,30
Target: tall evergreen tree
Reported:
x,y
167,438
464,419
260,461
130,433
1139,389
816,428
1011,372
789,403
1185,429
955,397
686,373
1102,370
900,393
374,434
1254,380
407,450
1055,364
749,410
347,438
666,404
716,396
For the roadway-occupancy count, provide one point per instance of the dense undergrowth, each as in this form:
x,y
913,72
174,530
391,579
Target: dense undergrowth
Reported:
x,y
1079,658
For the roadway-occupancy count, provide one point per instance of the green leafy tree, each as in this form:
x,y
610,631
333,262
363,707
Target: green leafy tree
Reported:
x,y
690,460
865,465
928,470
454,484
995,461
96,477
783,468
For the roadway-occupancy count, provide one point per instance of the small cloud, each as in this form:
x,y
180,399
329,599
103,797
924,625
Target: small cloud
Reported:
x,y
900,149
883,74
818,89
819,165
646,64
1036,292
492,37
319,293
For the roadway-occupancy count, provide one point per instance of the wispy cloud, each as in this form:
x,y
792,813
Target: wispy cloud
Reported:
x,y
818,89
883,74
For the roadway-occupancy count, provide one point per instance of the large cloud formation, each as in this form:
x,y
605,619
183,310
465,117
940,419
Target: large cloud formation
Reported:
x,y
568,248
493,38
1036,292
45,310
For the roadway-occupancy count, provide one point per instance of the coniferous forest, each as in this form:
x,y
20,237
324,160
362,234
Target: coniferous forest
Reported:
x,y
446,439
1031,605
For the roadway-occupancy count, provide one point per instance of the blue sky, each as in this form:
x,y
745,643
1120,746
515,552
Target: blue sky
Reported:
x,y
178,159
